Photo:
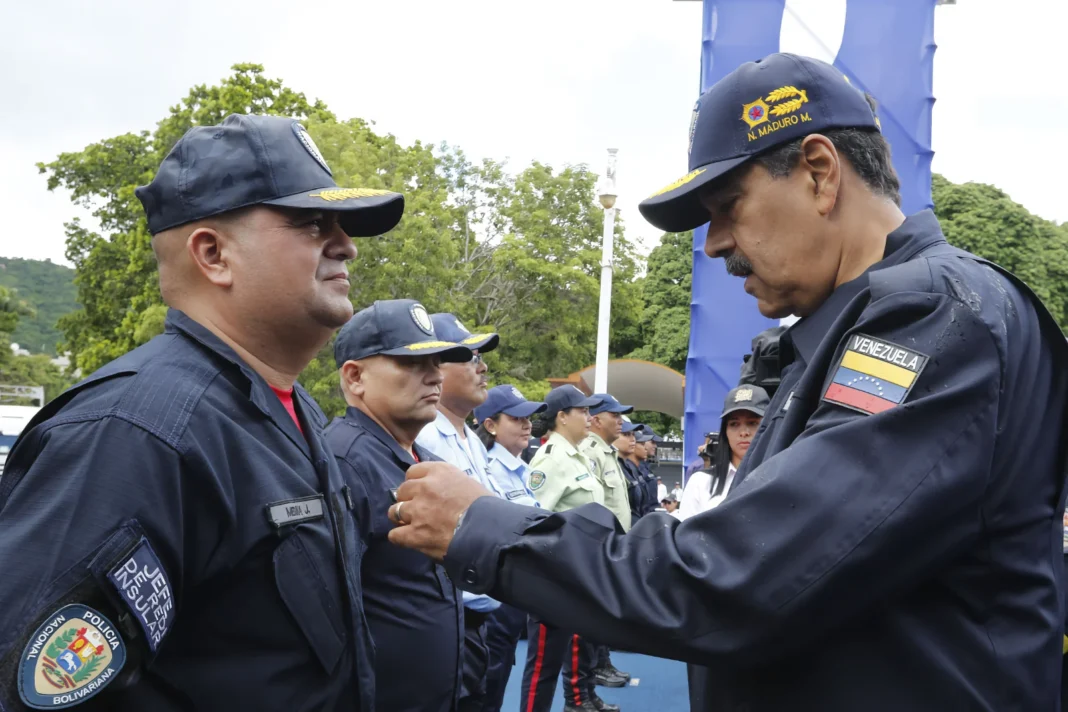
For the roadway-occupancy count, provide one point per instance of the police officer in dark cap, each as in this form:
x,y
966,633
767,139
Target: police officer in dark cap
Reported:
x,y
390,359
174,533
884,545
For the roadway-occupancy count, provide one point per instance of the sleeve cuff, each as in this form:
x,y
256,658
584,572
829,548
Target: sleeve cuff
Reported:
x,y
490,525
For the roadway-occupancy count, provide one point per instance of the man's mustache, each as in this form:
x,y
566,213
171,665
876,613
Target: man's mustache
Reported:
x,y
738,265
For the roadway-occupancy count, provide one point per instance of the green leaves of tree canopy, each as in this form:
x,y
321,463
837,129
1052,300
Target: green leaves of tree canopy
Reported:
x,y
518,254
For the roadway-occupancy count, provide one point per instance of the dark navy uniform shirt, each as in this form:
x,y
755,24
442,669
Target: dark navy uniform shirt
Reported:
x,y
172,493
870,557
635,488
651,501
414,612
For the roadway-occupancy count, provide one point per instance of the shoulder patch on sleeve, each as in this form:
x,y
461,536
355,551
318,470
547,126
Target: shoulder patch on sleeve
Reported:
x,y
143,586
873,375
73,655
548,449
537,479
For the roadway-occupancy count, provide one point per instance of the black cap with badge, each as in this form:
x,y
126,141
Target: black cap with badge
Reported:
x,y
751,398
452,329
394,327
759,105
258,160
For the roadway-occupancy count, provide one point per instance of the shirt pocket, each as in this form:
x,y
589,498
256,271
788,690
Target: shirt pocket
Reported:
x,y
313,604
584,488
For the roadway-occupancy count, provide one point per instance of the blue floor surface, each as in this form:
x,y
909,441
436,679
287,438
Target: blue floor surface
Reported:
x,y
661,685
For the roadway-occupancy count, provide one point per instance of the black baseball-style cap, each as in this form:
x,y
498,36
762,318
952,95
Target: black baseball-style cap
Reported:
x,y
258,160
752,398
759,105
394,327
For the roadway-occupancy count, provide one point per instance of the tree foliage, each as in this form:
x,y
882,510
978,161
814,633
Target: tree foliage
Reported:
x,y
48,289
518,254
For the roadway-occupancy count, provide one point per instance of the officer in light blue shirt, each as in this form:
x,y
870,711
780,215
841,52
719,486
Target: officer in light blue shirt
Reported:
x,y
504,428
449,438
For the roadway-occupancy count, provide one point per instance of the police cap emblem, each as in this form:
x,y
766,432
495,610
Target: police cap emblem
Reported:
x,y
743,395
422,319
517,394
309,146
73,655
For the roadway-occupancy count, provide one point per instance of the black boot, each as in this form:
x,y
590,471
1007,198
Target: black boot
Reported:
x,y
601,705
606,678
586,706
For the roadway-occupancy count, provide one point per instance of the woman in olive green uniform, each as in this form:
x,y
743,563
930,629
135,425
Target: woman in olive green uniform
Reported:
x,y
561,478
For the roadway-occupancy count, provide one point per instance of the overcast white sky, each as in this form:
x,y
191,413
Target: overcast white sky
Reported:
x,y
555,80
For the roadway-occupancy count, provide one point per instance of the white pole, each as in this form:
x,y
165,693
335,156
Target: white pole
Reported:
x,y
604,313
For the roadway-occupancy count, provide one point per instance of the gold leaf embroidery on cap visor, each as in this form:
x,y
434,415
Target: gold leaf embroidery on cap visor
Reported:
x,y
348,193
679,183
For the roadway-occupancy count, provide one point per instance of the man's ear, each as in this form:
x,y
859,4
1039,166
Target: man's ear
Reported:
x,y
822,167
352,378
212,252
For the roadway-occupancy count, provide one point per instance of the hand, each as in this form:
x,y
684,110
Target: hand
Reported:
x,y
430,503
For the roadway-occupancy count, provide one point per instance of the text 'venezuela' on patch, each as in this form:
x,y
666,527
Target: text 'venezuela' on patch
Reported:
x,y
874,375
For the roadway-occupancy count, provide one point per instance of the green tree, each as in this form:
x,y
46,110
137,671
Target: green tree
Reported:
x,y
517,254
36,370
49,290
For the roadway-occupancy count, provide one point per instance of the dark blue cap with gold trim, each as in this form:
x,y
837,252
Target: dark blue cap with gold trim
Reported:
x,y
258,160
394,327
759,105
452,329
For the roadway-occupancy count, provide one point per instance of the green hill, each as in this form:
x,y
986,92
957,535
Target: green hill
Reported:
x,y
49,289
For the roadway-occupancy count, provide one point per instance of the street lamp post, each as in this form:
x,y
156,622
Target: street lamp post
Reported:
x,y
604,312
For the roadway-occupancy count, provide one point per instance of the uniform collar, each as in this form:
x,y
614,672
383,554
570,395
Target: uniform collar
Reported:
x,y
507,459
357,417
178,322
601,444
917,233
561,442
446,428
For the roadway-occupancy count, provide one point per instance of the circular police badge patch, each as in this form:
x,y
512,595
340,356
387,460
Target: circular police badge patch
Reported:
x,y
422,319
74,654
309,146
537,479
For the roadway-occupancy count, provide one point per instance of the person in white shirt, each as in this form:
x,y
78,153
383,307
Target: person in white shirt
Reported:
x,y
661,490
743,410
465,388
677,491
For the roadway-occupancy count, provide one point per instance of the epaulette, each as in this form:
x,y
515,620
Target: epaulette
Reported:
x,y
548,449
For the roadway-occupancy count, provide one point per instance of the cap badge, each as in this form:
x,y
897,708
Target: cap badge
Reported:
x,y
309,146
782,102
743,395
693,125
461,327
422,319
517,394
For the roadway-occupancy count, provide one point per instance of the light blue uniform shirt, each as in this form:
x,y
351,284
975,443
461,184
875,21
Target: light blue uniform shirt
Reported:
x,y
440,438
511,475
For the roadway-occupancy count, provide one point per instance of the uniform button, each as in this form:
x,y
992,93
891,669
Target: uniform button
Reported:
x,y
470,577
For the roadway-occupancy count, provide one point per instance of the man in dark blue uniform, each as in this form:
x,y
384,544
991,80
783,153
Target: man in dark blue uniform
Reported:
x,y
892,541
643,435
390,365
174,533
